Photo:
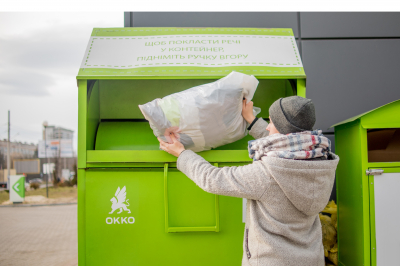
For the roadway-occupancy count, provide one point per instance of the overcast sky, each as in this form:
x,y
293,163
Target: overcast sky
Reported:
x,y
40,55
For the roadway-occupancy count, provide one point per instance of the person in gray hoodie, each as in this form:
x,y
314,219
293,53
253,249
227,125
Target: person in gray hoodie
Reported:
x,y
287,185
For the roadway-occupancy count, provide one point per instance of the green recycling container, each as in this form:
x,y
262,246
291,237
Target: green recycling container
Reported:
x,y
367,183
134,206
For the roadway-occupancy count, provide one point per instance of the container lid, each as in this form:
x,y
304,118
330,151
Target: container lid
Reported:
x,y
115,53
388,118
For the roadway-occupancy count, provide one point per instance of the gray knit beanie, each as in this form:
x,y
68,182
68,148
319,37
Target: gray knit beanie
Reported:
x,y
292,114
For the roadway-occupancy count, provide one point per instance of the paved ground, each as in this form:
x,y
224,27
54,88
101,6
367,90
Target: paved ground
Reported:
x,y
38,236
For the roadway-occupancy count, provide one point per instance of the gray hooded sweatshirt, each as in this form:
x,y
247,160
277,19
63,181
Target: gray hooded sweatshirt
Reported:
x,y
284,199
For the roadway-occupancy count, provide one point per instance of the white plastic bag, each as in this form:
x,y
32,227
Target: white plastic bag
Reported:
x,y
206,116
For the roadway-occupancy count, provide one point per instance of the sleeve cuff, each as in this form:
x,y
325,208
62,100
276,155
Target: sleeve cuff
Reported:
x,y
252,123
259,129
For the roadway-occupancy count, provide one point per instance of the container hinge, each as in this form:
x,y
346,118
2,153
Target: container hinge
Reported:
x,y
374,171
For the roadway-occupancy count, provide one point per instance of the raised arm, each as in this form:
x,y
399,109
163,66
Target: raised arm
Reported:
x,y
248,181
257,126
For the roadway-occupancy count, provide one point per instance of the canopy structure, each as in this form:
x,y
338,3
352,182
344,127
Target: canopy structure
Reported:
x,y
378,117
190,52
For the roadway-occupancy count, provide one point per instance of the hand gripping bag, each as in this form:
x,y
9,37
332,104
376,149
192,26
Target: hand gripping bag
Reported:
x,y
205,116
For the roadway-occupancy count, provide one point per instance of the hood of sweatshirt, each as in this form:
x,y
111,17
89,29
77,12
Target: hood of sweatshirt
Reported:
x,y
306,183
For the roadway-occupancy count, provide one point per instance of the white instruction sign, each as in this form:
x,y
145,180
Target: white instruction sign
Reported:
x,y
216,50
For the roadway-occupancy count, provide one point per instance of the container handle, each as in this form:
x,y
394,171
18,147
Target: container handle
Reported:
x,y
169,229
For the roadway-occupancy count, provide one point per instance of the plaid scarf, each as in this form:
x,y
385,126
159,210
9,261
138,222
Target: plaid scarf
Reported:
x,y
297,146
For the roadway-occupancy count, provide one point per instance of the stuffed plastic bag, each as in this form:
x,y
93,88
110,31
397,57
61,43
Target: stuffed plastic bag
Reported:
x,y
328,233
333,254
205,116
331,208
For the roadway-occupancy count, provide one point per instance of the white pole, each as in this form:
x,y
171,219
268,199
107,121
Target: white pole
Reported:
x,y
45,156
8,153
48,164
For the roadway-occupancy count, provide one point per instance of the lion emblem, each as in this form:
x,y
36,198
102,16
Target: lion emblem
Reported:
x,y
118,201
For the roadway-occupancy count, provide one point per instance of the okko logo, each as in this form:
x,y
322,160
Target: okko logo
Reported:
x,y
120,202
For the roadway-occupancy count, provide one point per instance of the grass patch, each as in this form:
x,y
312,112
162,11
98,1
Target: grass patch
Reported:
x,y
60,192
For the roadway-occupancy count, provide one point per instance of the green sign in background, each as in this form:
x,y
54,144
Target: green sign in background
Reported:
x,y
19,187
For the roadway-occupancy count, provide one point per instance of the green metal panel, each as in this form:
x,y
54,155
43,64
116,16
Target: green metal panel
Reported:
x,y
127,165
149,31
93,115
151,165
81,217
301,88
289,90
387,116
349,175
121,156
381,125
119,99
82,122
145,242
126,136
139,136
365,195
187,72
268,91
384,165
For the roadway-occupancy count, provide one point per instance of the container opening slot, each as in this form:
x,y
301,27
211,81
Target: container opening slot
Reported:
x,y
383,145
116,123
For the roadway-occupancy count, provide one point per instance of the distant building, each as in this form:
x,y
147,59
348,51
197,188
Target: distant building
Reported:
x,y
53,132
57,142
58,151
18,150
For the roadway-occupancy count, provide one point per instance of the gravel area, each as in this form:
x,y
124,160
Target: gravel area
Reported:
x,y
39,199
39,196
